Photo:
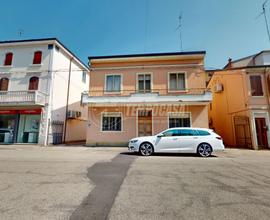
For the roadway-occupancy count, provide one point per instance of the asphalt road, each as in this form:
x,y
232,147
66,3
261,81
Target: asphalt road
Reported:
x,y
103,183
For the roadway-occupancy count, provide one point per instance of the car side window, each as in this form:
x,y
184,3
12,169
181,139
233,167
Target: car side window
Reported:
x,y
188,132
171,133
203,133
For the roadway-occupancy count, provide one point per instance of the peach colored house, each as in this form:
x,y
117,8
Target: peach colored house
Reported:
x,y
140,95
240,108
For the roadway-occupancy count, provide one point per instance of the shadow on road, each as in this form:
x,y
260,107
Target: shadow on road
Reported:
x,y
166,155
107,177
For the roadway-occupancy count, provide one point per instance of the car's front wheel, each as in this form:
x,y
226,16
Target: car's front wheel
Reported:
x,y
204,150
146,149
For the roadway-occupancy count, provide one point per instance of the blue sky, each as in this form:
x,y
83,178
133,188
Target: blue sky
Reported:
x,y
224,28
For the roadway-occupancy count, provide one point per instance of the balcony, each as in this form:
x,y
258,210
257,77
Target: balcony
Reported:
x,y
186,97
22,98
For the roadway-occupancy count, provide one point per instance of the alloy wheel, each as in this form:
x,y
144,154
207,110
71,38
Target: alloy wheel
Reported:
x,y
146,149
205,150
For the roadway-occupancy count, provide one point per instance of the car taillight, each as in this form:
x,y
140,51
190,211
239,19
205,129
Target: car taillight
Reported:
x,y
219,138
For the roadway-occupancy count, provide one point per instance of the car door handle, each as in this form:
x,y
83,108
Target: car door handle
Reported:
x,y
175,139
195,138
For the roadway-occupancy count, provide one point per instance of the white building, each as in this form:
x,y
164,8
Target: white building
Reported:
x,y
41,83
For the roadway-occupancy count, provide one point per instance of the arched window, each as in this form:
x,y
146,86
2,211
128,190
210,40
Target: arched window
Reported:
x,y
4,84
33,83
37,57
8,59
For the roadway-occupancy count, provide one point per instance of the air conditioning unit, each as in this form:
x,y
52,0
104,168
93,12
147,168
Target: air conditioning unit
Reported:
x,y
74,114
218,88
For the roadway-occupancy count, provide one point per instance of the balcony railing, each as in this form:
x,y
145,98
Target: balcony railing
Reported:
x,y
22,98
160,92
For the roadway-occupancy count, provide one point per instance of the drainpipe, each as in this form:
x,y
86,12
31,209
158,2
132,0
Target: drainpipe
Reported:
x,y
66,118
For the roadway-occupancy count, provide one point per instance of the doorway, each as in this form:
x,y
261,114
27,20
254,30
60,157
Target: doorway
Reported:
x,y
144,123
261,132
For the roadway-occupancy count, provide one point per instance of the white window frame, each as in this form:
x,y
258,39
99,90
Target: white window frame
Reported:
x,y
121,83
177,72
178,113
112,113
137,81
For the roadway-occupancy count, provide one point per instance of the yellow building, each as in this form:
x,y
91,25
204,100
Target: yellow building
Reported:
x,y
239,111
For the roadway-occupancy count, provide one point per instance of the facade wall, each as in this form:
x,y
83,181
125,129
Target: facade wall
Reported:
x,y
159,68
21,70
236,100
53,81
160,122
195,79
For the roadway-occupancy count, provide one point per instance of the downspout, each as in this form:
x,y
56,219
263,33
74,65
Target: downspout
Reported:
x,y
49,96
66,118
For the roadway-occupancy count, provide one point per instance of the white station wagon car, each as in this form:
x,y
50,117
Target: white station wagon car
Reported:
x,y
179,140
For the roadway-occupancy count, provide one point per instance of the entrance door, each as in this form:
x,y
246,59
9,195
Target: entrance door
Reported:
x,y
144,123
261,131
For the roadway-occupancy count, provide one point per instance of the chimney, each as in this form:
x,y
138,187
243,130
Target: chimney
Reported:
x,y
229,65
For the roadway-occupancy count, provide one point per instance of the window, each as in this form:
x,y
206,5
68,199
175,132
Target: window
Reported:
x,y
37,57
177,120
33,83
256,85
177,81
144,83
113,83
4,84
171,133
188,132
111,122
8,59
203,133
84,76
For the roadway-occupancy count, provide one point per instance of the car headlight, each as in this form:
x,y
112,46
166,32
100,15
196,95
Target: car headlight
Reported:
x,y
133,141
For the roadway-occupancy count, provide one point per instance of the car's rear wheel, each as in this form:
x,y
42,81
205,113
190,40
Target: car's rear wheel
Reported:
x,y
146,149
204,150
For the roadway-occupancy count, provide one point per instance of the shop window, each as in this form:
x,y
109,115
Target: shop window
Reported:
x,y
177,120
37,57
4,84
33,83
177,81
113,83
28,130
111,122
8,59
256,85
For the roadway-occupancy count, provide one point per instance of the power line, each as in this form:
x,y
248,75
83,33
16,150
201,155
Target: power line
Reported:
x,y
264,5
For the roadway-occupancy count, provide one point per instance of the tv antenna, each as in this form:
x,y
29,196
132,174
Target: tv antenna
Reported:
x,y
20,32
264,5
179,28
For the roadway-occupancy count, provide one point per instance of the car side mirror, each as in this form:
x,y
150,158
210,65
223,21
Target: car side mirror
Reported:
x,y
160,135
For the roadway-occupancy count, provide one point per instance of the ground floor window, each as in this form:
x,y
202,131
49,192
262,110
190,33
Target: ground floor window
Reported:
x,y
111,121
179,119
19,126
28,131
7,127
